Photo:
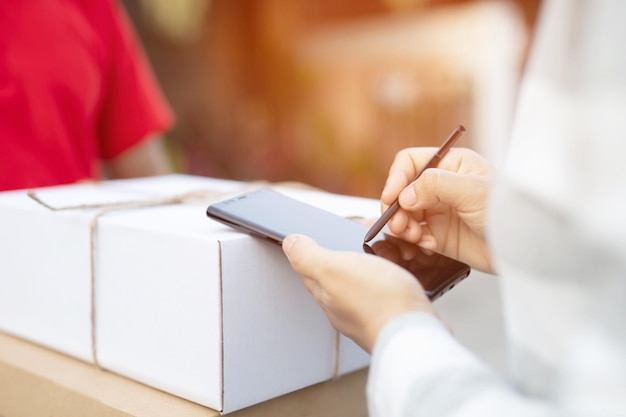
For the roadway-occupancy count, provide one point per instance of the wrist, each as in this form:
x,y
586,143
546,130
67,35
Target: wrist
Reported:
x,y
379,326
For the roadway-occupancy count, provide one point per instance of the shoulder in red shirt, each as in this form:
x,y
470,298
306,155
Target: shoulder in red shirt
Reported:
x,y
75,89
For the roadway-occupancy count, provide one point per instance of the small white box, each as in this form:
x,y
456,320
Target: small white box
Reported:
x,y
182,303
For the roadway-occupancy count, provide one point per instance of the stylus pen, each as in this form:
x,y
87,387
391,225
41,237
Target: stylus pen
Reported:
x,y
443,149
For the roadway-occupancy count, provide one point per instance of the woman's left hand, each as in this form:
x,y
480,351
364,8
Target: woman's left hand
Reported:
x,y
359,293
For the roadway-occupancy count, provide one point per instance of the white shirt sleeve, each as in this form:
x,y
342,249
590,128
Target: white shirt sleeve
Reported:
x,y
419,369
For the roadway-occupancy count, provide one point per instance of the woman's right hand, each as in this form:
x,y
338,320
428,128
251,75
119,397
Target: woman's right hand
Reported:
x,y
444,210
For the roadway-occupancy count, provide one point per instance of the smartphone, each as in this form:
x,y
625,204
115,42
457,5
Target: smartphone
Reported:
x,y
271,215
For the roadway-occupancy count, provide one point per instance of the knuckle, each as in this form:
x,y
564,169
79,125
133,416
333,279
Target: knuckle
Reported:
x,y
429,179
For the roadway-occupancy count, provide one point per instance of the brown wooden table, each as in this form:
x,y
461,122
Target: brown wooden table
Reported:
x,y
36,381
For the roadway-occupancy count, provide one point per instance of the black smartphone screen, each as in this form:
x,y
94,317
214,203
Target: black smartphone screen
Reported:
x,y
271,215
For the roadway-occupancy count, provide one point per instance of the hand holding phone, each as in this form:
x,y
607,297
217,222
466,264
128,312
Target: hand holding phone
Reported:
x,y
270,215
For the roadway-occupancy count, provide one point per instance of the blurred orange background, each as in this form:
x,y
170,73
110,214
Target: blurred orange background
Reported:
x,y
326,92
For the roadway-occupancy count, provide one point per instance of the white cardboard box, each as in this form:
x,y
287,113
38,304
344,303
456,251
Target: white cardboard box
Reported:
x,y
182,303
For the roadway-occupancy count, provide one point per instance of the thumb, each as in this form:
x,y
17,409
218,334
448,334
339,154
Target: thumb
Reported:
x,y
302,251
462,192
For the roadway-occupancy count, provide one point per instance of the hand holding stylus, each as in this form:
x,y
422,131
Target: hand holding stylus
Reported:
x,y
444,210
443,149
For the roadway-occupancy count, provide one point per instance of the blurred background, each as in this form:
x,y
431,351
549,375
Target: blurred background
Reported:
x,y
326,92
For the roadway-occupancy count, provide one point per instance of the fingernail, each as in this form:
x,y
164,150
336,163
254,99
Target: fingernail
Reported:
x,y
408,197
288,243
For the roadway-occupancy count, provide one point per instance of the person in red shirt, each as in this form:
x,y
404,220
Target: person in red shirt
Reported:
x,y
78,100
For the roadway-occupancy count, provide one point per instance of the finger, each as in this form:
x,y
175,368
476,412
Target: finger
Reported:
x,y
410,161
404,167
413,232
427,239
396,182
398,222
304,254
437,186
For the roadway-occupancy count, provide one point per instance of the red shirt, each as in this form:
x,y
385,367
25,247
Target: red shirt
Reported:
x,y
75,89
